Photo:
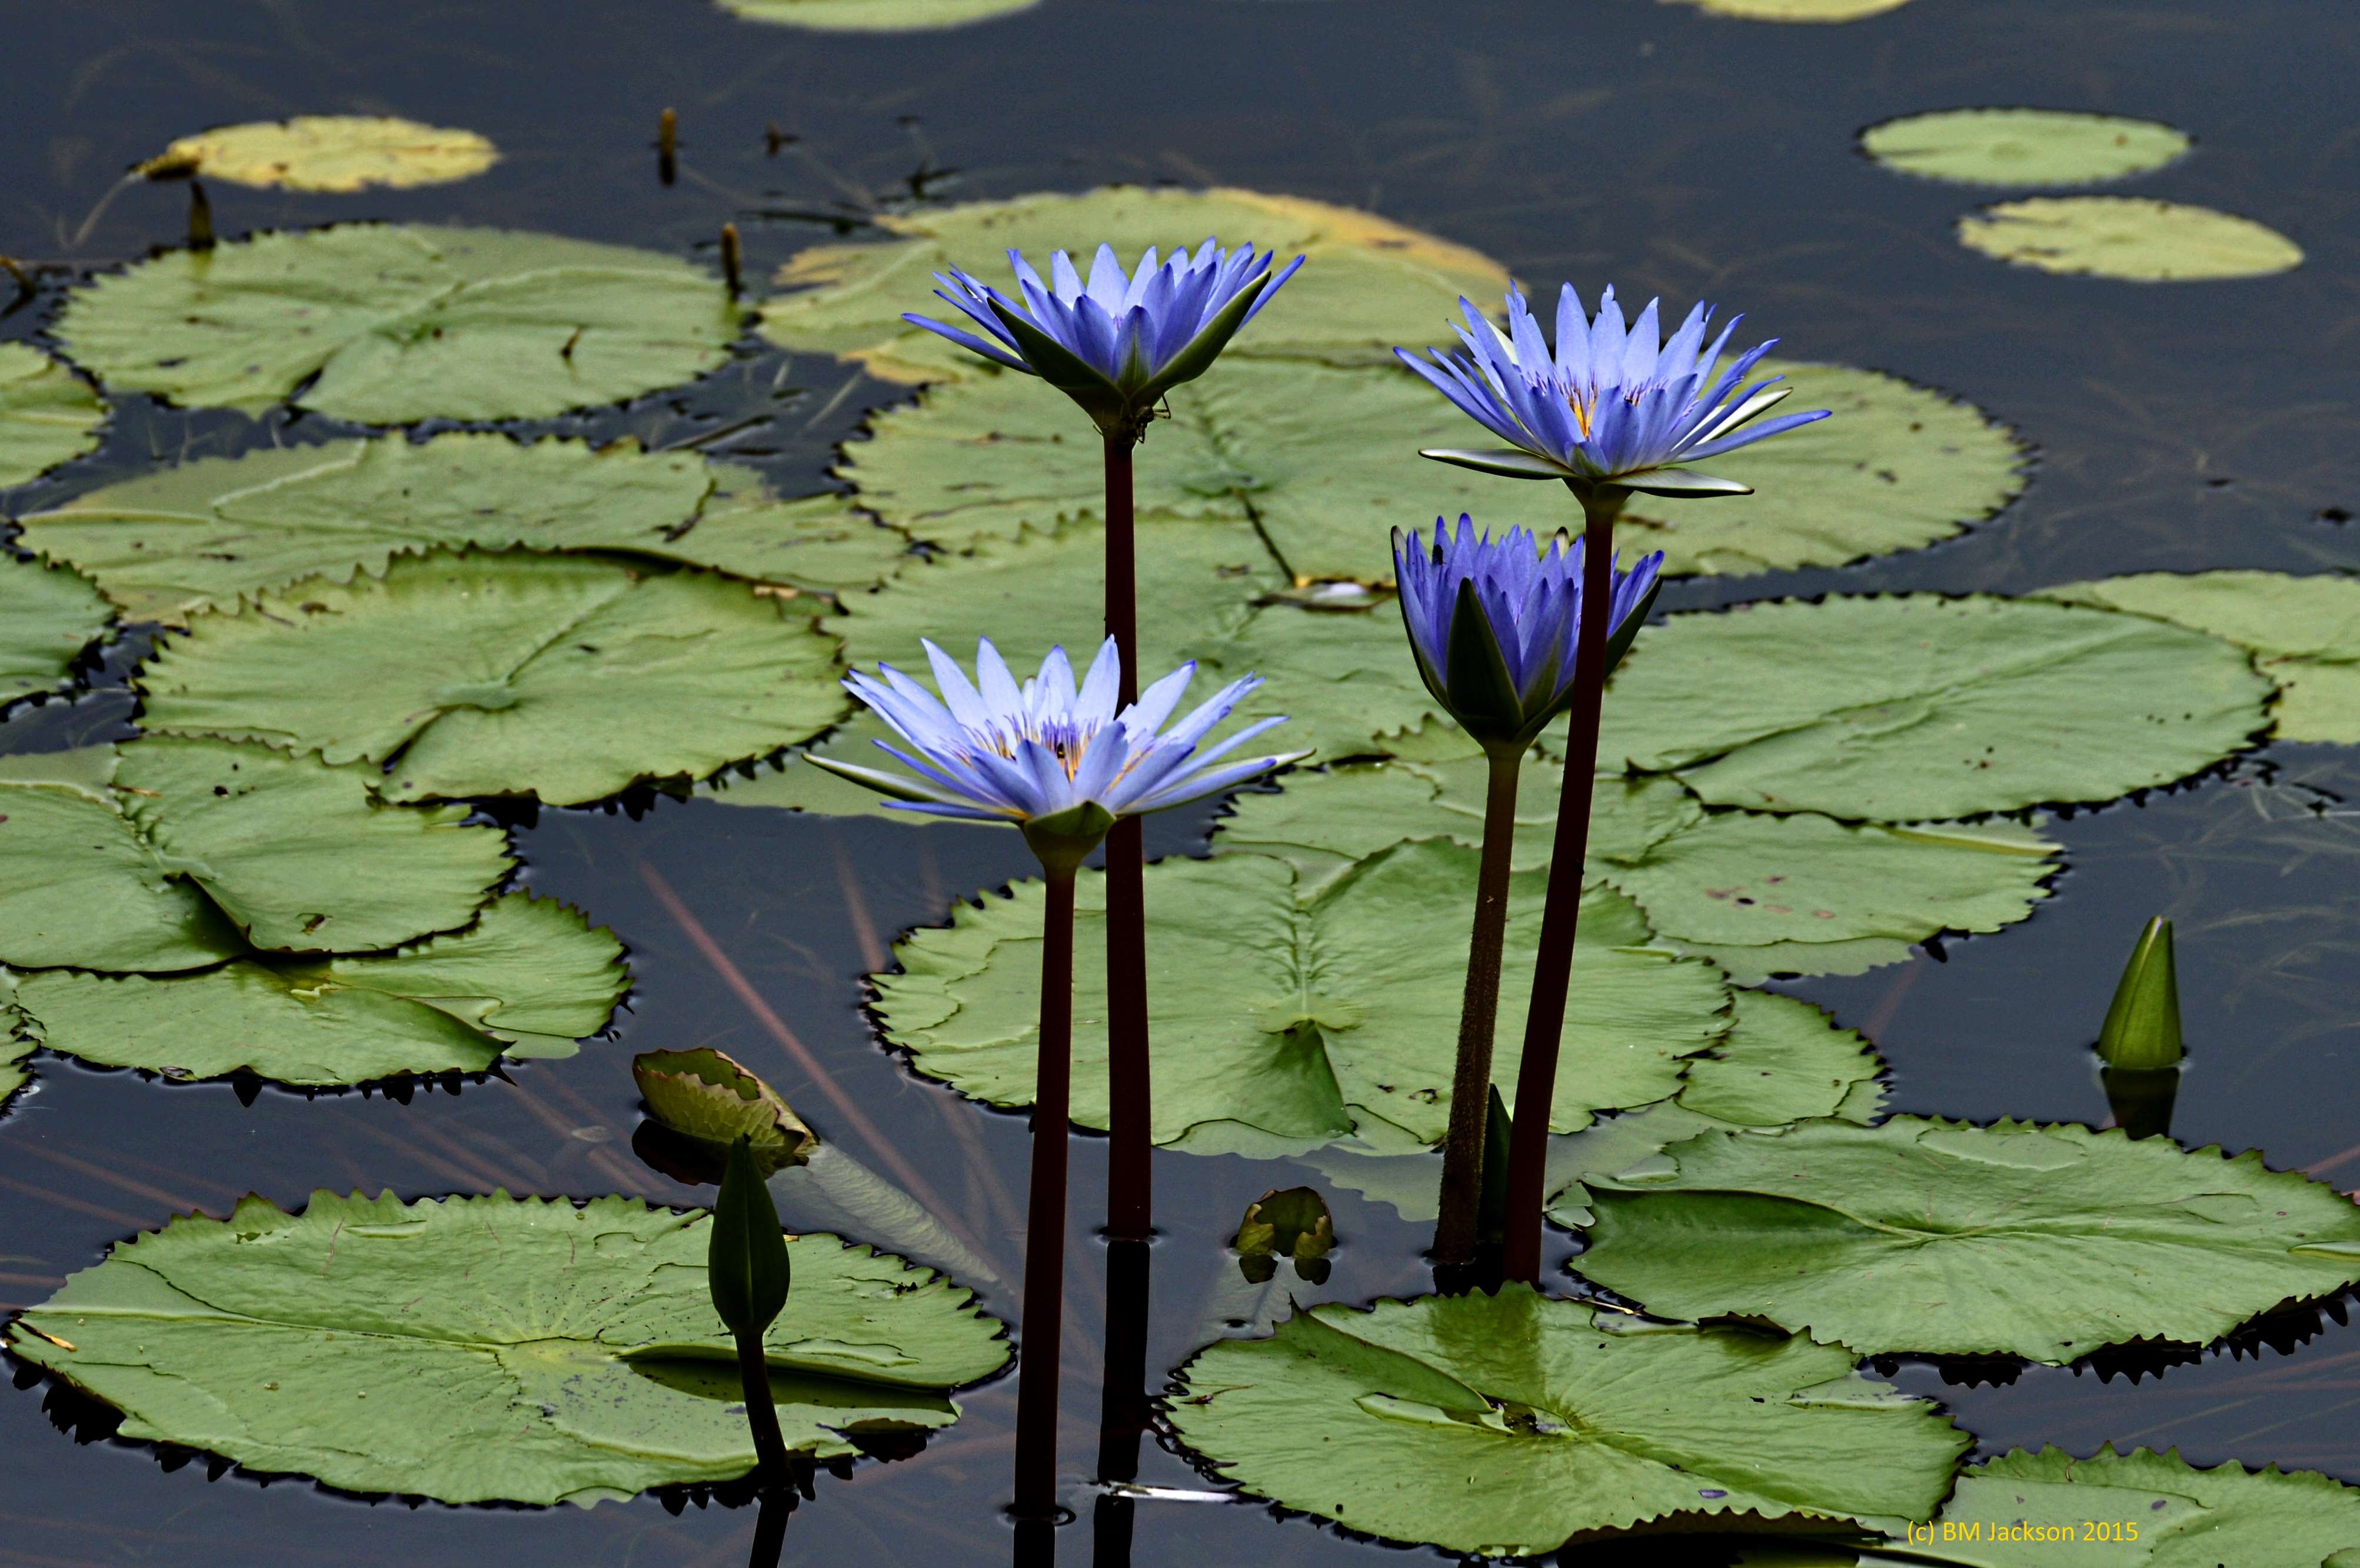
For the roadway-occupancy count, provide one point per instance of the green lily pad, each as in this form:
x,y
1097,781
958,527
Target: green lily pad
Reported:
x,y
1368,283
2304,633
1303,1013
1938,708
1798,10
1757,894
2022,147
15,1044
336,154
476,1349
530,978
387,324
1943,1237
875,15
47,417
1511,1424
570,676
708,1095
208,534
48,616
2136,239
1309,454
1782,1059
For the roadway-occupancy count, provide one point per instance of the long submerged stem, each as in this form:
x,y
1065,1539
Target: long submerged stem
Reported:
x,y
1479,1015
1129,1174
1553,965
1045,1224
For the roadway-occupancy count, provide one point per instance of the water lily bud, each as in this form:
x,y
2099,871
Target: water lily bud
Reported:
x,y
2142,1027
746,1264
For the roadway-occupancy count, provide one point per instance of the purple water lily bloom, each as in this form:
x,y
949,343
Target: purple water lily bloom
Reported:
x,y
1609,406
1059,762
1117,342
1493,624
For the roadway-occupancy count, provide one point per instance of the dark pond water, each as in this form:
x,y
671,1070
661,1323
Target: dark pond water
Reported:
x,y
2181,428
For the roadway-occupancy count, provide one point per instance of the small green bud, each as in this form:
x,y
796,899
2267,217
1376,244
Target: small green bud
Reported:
x,y
2142,1027
746,1264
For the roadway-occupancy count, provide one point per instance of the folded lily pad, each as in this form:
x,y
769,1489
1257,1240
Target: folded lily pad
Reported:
x,y
206,534
2022,147
706,1094
479,1349
1368,282
2305,632
1943,1237
1938,708
1304,1013
47,417
569,677
1511,1424
48,616
333,153
2133,238
388,324
874,16
530,978
1307,454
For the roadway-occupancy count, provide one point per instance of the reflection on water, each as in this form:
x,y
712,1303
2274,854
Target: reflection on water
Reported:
x,y
2178,429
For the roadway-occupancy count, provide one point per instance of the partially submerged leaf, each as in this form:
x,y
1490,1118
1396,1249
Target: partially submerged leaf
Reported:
x,y
2133,238
569,677
528,979
1511,1424
1367,285
1294,1224
705,1094
1306,1012
206,534
478,1349
2022,147
874,16
388,324
47,417
1798,10
1939,707
2304,632
1943,1237
332,153
15,1044
48,616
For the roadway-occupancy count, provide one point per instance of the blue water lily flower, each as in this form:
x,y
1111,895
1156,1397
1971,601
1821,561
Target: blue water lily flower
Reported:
x,y
1059,762
1494,624
1117,342
1609,405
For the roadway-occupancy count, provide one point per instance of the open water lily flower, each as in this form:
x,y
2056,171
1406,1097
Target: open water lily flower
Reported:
x,y
1117,342
1494,624
1610,406
1059,762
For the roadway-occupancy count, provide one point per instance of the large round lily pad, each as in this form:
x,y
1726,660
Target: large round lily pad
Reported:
x,y
1943,1237
1758,894
46,414
1324,461
530,978
48,616
491,1349
2134,238
1367,285
2305,632
569,677
1511,1424
1302,1013
332,153
387,324
875,15
1915,706
205,534
2022,147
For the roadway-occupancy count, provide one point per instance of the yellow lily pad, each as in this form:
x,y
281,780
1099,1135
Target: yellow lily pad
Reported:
x,y
330,153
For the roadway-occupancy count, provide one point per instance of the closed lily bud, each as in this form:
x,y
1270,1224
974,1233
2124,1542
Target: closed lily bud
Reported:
x,y
746,1263
2142,1029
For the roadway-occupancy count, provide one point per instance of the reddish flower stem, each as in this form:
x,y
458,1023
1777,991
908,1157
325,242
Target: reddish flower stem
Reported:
x,y
1129,1174
1478,1016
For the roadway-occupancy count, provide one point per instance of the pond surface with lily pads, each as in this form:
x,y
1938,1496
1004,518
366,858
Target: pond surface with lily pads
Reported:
x,y
431,546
